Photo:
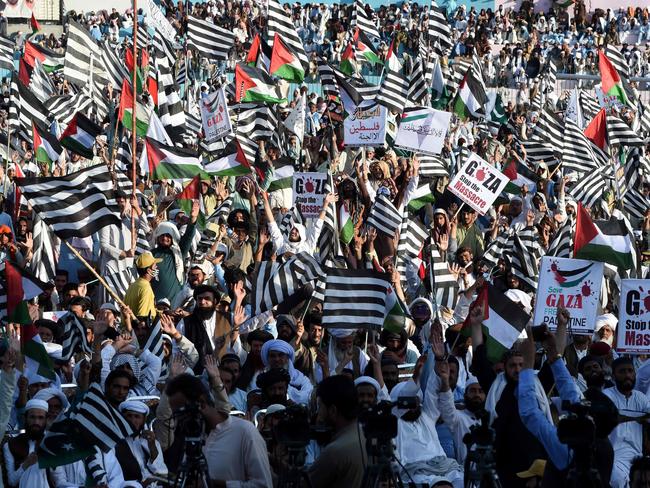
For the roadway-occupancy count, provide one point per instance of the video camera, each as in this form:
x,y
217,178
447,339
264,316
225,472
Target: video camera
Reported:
x,y
480,434
294,431
190,421
577,427
379,422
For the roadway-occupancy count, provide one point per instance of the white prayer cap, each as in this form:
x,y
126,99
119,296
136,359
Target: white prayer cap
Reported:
x,y
131,484
174,213
35,404
471,379
606,319
341,333
368,380
520,297
48,393
134,406
53,349
275,408
167,337
33,378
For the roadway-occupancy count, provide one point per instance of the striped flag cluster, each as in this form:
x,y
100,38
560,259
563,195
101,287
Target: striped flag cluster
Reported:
x,y
363,21
80,48
393,91
63,107
384,216
74,337
547,137
29,108
418,88
355,298
590,190
210,40
74,205
439,31
619,133
412,235
578,152
275,282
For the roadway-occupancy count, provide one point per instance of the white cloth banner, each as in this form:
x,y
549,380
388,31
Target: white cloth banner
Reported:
x,y
158,20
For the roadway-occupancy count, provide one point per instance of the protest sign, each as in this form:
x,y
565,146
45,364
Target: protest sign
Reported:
x,y
159,21
634,317
215,117
309,193
570,283
423,130
478,184
365,126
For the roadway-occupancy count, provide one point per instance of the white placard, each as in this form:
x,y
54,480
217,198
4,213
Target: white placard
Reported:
x,y
478,184
159,21
570,283
309,193
634,317
423,130
215,116
365,126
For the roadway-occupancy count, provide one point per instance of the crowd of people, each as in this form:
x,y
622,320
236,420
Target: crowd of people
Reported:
x,y
266,395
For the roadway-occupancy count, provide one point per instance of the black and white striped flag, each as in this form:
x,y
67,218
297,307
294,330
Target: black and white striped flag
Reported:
x,y
170,105
29,108
590,190
64,107
579,153
619,133
40,83
280,22
43,263
411,241
74,337
288,221
80,48
393,91
363,21
210,40
123,155
119,278
433,166
355,298
561,246
116,70
588,104
75,205
524,255
7,53
496,248
439,31
154,342
220,215
384,216
284,280
328,80
636,203
445,283
417,91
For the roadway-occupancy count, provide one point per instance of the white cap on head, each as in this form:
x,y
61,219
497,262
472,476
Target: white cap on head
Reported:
x,y
35,404
341,333
134,406
368,380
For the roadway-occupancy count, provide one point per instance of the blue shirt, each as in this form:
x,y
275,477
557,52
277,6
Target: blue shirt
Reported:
x,y
534,419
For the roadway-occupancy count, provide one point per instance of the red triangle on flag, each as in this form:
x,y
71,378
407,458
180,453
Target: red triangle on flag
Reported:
x,y
192,191
71,129
243,82
586,230
280,54
15,293
154,155
596,131
511,171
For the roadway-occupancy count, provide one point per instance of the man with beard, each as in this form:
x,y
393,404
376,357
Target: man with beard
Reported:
x,y
253,364
280,354
297,241
195,276
21,459
206,328
172,249
592,371
396,344
139,455
368,391
343,354
274,384
627,438
308,349
468,235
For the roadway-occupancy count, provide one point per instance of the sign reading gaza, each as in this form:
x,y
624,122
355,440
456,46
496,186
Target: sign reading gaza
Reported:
x,y
573,284
309,193
478,184
634,317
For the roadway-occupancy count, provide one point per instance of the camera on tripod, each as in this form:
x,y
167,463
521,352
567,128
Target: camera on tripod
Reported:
x,y
577,427
379,422
190,421
480,434
293,430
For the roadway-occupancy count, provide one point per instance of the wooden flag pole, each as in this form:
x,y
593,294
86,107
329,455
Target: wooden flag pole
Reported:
x,y
4,176
99,278
134,119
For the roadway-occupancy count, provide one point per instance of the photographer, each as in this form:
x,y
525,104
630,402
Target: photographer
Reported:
x,y
341,463
538,424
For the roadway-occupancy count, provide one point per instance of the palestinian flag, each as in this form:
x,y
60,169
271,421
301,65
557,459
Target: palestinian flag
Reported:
x,y
421,197
346,226
607,241
610,79
50,60
21,287
24,72
231,161
254,85
285,63
282,178
471,98
392,62
503,321
519,175
259,54
187,197
171,163
126,111
364,47
37,359
596,131
396,312
33,23
348,61
46,147
131,65
80,135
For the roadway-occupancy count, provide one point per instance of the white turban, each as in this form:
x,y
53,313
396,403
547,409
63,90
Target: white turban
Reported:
x,y
368,380
134,406
606,319
48,393
404,389
35,404
341,333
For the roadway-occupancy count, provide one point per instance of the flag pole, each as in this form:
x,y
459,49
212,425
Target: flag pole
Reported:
x,y
99,278
4,177
134,118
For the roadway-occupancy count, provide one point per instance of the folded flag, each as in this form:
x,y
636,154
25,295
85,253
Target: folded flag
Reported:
x,y
607,241
421,197
80,134
125,113
231,161
281,178
364,47
285,63
190,194
254,85
46,146
33,23
503,321
471,98
348,63
596,131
